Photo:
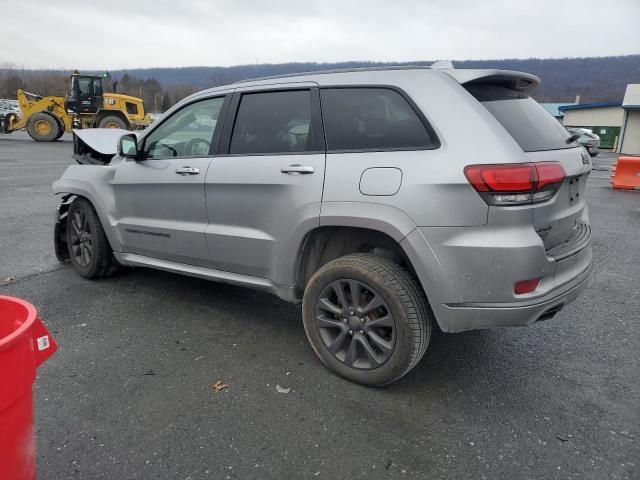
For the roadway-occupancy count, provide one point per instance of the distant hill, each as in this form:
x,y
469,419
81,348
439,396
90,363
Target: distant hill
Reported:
x,y
593,78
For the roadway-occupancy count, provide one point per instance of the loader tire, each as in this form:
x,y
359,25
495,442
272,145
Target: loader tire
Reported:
x,y
42,127
60,133
112,121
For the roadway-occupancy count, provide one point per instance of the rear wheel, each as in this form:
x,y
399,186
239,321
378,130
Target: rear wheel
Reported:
x,y
112,121
366,318
42,127
89,249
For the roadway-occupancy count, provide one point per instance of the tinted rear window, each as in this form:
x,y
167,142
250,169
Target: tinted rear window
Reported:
x,y
371,119
526,120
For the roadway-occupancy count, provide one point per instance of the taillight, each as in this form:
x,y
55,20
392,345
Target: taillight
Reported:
x,y
516,183
526,286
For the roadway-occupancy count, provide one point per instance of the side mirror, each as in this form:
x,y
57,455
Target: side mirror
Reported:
x,y
128,146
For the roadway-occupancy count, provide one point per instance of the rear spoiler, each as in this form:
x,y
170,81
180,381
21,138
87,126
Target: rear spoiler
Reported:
x,y
96,146
520,81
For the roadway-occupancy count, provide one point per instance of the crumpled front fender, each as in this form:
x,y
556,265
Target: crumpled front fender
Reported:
x,y
68,187
60,228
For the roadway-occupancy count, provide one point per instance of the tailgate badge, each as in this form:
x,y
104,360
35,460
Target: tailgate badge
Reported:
x,y
585,158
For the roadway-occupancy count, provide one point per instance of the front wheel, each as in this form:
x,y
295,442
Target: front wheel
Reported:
x,y
366,318
43,127
89,249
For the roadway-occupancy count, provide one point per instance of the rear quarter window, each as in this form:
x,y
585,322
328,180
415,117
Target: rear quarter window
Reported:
x,y
530,125
365,118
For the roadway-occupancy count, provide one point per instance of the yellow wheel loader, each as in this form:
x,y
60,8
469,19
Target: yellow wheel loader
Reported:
x,y
87,106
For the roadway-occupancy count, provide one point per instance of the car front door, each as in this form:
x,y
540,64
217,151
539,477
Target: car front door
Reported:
x,y
160,197
264,189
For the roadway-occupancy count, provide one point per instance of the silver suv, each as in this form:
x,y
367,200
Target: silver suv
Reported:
x,y
385,200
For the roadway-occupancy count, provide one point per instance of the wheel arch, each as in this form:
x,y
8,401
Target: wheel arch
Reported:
x,y
102,113
51,114
328,242
55,117
70,190
379,229
382,223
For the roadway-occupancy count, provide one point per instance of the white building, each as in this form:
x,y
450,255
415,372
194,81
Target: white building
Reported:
x,y
630,131
617,123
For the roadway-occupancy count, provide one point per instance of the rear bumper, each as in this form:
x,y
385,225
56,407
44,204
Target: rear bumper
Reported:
x,y
468,274
460,317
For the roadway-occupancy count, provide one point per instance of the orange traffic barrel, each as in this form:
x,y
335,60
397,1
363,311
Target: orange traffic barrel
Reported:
x,y
24,344
625,173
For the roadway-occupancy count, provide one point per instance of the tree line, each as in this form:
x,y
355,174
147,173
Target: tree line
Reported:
x,y
593,78
57,83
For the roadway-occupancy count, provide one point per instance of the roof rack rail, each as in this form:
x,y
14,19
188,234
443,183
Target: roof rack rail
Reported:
x,y
338,70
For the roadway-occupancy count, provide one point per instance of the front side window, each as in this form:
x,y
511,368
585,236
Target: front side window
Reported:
x,y
371,119
187,132
273,122
84,85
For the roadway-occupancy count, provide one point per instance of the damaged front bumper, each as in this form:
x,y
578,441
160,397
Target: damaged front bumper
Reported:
x,y
60,228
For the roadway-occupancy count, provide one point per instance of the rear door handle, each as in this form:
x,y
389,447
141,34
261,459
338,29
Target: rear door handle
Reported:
x,y
297,169
187,171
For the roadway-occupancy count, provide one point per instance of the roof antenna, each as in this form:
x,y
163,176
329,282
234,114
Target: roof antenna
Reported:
x,y
442,65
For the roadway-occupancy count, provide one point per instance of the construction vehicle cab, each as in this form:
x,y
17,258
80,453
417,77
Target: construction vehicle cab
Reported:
x,y
86,106
85,95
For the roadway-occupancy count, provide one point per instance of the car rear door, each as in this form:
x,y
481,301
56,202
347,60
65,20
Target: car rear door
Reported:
x,y
160,201
263,191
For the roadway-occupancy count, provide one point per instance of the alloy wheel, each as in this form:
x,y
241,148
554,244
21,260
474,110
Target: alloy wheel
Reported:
x,y
81,238
355,324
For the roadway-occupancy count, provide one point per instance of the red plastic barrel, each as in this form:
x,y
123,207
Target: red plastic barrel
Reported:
x,y
24,344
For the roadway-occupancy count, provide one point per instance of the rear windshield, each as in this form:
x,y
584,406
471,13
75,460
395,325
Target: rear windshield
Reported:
x,y
526,120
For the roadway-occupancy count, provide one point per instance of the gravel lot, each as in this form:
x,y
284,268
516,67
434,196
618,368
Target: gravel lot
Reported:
x,y
128,394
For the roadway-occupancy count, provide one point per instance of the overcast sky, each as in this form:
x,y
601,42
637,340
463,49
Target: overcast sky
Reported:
x,y
112,34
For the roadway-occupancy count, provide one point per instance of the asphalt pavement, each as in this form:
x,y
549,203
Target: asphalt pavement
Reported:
x,y
129,393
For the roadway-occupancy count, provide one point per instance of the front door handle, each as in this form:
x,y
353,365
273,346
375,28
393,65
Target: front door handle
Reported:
x,y
187,171
297,169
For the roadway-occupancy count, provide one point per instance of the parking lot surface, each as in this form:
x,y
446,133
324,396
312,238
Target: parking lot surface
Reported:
x,y
128,395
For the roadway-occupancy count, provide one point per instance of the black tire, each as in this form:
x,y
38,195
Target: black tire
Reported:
x,y
43,127
113,121
89,249
405,337
9,117
60,133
